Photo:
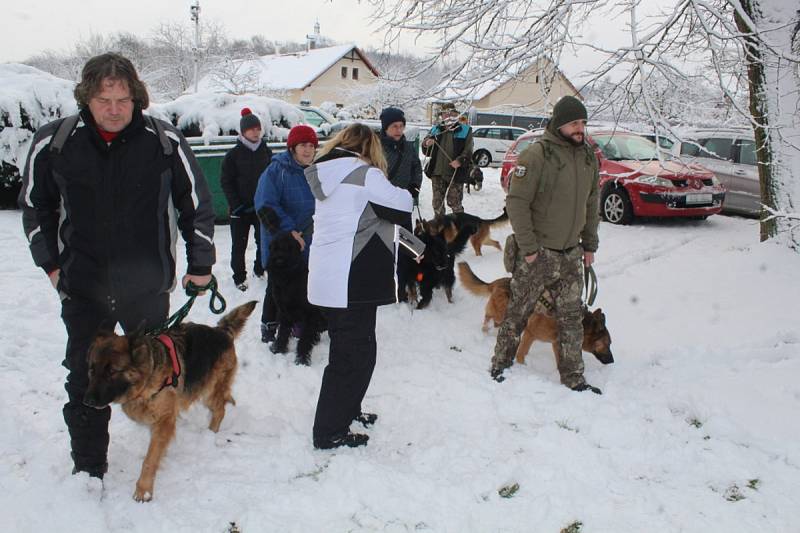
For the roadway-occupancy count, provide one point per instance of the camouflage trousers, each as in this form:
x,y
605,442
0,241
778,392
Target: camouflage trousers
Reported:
x,y
561,274
455,195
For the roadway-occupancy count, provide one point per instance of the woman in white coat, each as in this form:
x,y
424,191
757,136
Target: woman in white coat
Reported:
x,y
352,267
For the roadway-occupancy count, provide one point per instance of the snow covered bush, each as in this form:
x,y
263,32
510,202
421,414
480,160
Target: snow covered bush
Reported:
x,y
29,98
209,114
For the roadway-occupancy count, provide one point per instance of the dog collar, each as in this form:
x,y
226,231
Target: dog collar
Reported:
x,y
167,341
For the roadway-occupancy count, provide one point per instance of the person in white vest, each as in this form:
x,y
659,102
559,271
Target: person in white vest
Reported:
x,y
352,267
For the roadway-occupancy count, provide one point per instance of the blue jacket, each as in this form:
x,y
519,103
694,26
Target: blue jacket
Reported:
x,y
283,187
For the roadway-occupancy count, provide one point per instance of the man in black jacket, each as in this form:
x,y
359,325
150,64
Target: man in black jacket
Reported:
x,y
403,170
241,168
104,194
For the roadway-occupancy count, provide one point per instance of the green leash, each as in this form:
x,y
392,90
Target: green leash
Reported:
x,y
193,291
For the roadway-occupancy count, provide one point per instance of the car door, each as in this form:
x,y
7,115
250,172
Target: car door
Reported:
x,y
745,188
499,141
716,154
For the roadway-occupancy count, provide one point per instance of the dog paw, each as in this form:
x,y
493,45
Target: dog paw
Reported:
x,y
143,495
303,360
276,349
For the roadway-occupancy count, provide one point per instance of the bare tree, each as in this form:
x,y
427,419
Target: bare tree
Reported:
x,y
487,39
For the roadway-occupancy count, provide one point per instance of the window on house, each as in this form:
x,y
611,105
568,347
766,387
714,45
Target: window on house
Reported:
x,y
355,73
344,72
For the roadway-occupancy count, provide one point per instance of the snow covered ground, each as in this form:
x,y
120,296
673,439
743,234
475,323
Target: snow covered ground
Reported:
x,y
697,429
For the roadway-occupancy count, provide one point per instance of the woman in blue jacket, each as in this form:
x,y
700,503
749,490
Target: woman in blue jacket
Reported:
x,y
283,192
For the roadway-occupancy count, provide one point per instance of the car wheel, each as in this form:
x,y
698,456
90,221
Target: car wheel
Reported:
x,y
482,158
616,206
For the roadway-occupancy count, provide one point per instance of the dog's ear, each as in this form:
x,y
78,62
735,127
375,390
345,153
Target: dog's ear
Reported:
x,y
141,352
598,314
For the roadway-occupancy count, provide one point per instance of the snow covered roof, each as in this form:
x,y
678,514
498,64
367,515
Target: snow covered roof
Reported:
x,y
288,71
42,98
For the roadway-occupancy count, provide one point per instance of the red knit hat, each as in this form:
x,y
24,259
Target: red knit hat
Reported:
x,y
301,134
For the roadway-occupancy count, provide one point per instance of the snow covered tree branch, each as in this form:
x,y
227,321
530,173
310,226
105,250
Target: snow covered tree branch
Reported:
x,y
731,44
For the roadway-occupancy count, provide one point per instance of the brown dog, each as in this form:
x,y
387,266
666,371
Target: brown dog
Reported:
x,y
138,372
542,325
452,224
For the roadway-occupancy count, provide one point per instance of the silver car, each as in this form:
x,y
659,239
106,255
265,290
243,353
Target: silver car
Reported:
x,y
731,155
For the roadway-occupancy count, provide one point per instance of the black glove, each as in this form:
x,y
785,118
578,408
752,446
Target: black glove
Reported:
x,y
414,190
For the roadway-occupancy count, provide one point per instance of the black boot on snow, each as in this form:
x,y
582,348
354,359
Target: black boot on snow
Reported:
x,y
351,440
366,419
585,386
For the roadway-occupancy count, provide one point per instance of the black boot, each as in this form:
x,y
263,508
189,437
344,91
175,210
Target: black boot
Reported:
x,y
351,440
94,470
366,419
585,386
268,332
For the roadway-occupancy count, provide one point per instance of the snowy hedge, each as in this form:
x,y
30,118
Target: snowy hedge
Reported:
x,y
29,98
209,114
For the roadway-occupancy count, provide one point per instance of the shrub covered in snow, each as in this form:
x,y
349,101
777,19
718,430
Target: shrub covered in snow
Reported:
x,y
29,98
208,114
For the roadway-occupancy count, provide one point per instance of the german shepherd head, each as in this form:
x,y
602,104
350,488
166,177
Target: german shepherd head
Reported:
x,y
596,338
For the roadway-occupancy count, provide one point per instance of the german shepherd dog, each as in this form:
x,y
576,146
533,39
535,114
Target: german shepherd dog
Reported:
x,y
452,224
437,268
542,324
288,275
138,372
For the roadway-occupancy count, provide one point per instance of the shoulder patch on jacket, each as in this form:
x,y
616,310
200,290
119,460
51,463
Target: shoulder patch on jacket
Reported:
x,y
520,171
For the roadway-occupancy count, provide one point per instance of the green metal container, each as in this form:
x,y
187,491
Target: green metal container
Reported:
x,y
209,157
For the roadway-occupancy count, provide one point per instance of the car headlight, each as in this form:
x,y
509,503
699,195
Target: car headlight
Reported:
x,y
655,180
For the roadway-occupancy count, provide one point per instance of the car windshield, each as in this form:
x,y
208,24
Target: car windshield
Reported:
x,y
626,147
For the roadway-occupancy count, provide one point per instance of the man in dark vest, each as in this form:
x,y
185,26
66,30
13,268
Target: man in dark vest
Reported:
x,y
241,168
104,196
449,146
403,170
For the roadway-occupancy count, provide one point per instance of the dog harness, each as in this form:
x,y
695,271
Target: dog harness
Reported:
x,y
167,341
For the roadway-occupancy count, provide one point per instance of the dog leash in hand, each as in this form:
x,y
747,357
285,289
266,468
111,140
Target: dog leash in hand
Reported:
x,y
193,291
590,285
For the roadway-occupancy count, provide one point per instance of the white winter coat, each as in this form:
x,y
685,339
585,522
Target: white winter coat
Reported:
x,y
352,259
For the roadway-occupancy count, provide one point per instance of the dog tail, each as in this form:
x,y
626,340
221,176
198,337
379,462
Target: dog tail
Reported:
x,y
502,219
233,322
471,282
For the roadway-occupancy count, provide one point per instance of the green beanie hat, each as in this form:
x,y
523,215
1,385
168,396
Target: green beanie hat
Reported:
x,y
566,110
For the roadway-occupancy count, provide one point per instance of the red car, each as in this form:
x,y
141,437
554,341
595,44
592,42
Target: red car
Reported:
x,y
634,183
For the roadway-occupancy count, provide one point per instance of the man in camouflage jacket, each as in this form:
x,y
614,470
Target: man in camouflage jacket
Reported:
x,y
553,208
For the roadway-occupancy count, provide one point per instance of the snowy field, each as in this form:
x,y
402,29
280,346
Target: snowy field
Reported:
x,y
697,429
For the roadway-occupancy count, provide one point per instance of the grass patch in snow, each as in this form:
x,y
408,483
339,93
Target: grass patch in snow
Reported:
x,y
509,490
575,527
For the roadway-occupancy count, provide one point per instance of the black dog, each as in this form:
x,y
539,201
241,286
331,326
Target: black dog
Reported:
x,y
437,268
288,276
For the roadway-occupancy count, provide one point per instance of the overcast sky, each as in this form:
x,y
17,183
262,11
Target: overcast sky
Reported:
x,y
28,27
32,26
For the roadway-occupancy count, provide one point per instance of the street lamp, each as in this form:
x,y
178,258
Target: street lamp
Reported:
x,y
194,10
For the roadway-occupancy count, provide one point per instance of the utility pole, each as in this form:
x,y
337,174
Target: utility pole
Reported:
x,y
195,14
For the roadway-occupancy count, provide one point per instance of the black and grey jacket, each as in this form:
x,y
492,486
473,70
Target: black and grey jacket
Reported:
x,y
402,162
353,256
108,214
241,169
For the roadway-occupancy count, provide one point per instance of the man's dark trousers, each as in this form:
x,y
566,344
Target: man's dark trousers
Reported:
x,y
88,427
349,371
240,234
